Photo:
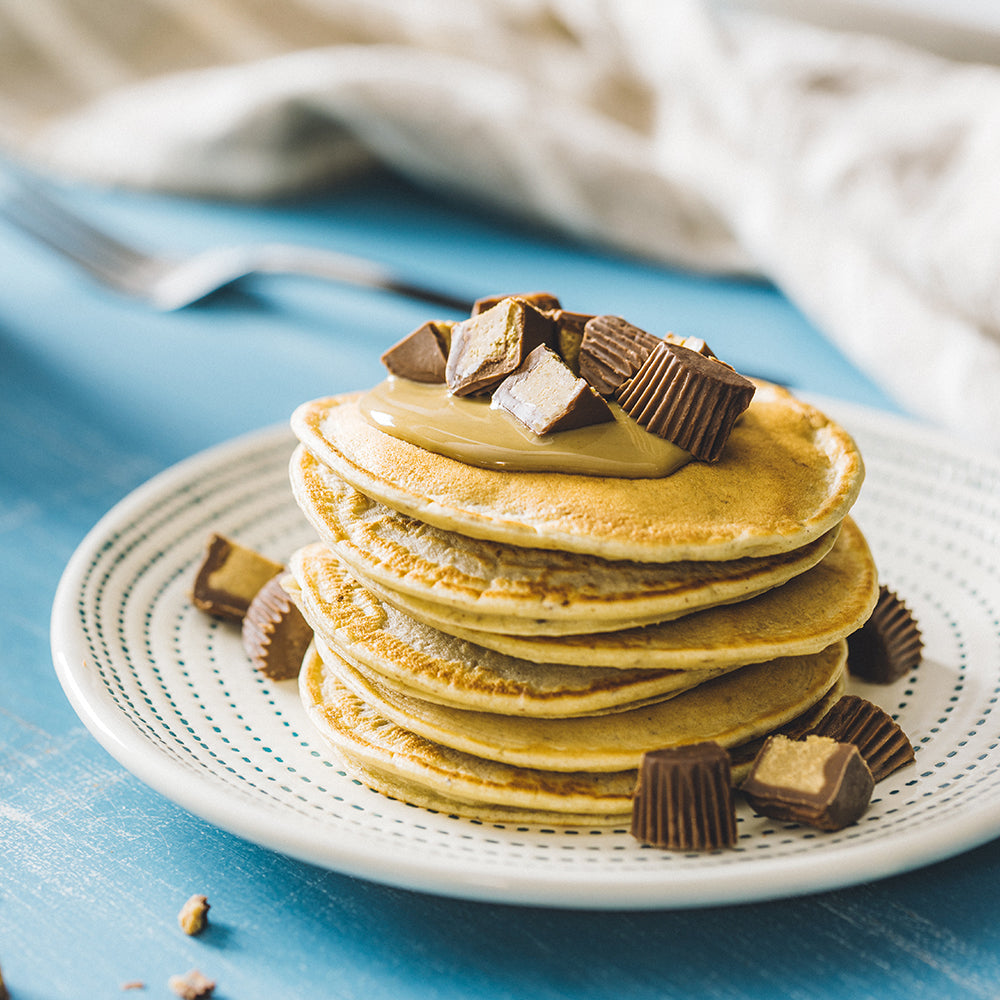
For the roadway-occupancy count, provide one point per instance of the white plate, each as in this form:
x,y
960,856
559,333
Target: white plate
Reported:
x,y
169,692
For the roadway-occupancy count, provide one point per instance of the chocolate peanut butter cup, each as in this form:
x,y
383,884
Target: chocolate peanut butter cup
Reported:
x,y
817,781
421,355
275,635
687,398
696,344
889,645
683,799
612,351
229,576
570,328
486,348
542,301
546,396
879,739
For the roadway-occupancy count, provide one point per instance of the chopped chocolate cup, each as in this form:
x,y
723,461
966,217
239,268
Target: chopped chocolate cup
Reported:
x,y
275,635
486,348
696,344
612,351
545,396
569,335
421,356
686,398
816,781
228,578
684,799
542,301
879,739
889,645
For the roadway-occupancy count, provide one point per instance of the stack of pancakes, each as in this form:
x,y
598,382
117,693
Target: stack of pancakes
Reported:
x,y
507,645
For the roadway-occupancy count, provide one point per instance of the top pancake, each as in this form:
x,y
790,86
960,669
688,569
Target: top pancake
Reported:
x,y
787,475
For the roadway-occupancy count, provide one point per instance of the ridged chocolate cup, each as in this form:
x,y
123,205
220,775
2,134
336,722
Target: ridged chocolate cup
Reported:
x,y
687,398
879,739
612,351
889,645
275,635
684,799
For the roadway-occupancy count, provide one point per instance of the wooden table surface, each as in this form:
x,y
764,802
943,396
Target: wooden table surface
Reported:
x,y
97,394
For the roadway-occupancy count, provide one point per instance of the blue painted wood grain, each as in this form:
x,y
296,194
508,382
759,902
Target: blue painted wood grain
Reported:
x,y
97,394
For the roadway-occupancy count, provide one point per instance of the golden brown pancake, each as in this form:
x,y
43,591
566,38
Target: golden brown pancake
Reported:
x,y
448,579
730,710
426,663
408,767
786,476
812,610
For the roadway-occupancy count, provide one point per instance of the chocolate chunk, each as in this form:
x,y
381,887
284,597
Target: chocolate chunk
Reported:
x,y
686,398
888,645
487,348
879,739
816,781
547,397
421,356
229,577
612,351
275,635
569,335
542,301
683,800
695,344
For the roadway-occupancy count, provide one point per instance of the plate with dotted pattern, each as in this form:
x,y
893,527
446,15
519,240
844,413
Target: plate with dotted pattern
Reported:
x,y
170,693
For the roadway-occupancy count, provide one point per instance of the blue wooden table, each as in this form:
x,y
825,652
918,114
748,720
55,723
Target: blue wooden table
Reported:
x,y
97,394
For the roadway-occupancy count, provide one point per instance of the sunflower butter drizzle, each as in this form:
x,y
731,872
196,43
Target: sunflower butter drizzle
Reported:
x,y
471,431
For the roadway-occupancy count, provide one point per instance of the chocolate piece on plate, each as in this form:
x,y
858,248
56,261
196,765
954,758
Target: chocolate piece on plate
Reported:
x,y
546,396
888,645
421,356
542,301
816,781
612,351
569,335
275,635
683,800
229,576
486,348
878,737
687,398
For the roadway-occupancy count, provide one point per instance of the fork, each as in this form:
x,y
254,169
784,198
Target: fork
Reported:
x,y
172,283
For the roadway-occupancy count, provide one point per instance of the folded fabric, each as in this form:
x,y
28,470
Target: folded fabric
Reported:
x,y
854,172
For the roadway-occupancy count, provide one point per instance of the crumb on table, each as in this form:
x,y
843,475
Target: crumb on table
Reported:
x,y
192,985
194,914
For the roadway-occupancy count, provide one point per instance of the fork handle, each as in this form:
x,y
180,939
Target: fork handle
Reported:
x,y
279,258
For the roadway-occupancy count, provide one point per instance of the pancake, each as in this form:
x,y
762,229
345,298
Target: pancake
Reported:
x,y
811,611
408,767
404,766
425,663
730,710
787,476
447,579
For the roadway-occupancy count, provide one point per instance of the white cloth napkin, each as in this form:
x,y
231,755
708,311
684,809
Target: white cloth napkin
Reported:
x,y
859,175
